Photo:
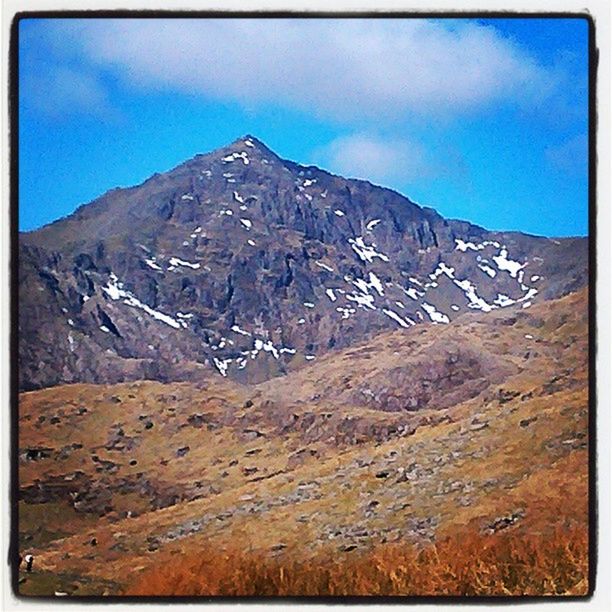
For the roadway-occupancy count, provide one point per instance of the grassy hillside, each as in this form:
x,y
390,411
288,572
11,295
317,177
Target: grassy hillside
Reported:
x,y
436,460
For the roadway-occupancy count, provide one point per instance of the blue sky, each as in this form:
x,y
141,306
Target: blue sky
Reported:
x,y
484,120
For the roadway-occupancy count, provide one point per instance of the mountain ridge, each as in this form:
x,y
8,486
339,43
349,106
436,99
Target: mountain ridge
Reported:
x,y
265,149
189,164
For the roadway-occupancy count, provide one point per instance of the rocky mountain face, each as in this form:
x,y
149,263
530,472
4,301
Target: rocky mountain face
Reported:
x,y
249,266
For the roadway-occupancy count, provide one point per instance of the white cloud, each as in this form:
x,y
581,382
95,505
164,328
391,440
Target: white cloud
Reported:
x,y
376,159
339,69
394,161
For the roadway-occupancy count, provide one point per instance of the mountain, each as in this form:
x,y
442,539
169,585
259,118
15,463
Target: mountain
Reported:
x,y
245,265
308,371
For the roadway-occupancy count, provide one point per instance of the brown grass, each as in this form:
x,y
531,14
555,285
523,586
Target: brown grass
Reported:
x,y
474,564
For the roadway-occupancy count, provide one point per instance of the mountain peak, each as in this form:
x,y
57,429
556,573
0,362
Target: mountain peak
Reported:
x,y
244,149
251,142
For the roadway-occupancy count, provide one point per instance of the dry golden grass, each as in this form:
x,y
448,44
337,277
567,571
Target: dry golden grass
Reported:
x,y
470,564
531,457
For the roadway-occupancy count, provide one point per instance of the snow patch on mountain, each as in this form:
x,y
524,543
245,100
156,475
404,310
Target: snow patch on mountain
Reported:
x,y
393,315
442,268
243,155
176,262
152,264
222,365
434,314
324,266
376,284
114,289
346,312
236,329
365,252
487,269
364,300
461,245
474,300
503,263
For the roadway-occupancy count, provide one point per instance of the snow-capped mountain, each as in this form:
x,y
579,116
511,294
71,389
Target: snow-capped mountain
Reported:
x,y
247,265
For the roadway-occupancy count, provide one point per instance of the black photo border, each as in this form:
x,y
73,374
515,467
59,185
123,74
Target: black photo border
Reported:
x,y
593,63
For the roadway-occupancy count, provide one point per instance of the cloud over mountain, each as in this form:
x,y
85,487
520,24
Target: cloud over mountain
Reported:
x,y
339,69
378,159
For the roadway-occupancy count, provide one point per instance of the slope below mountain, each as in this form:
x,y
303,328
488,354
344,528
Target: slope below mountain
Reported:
x,y
334,456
